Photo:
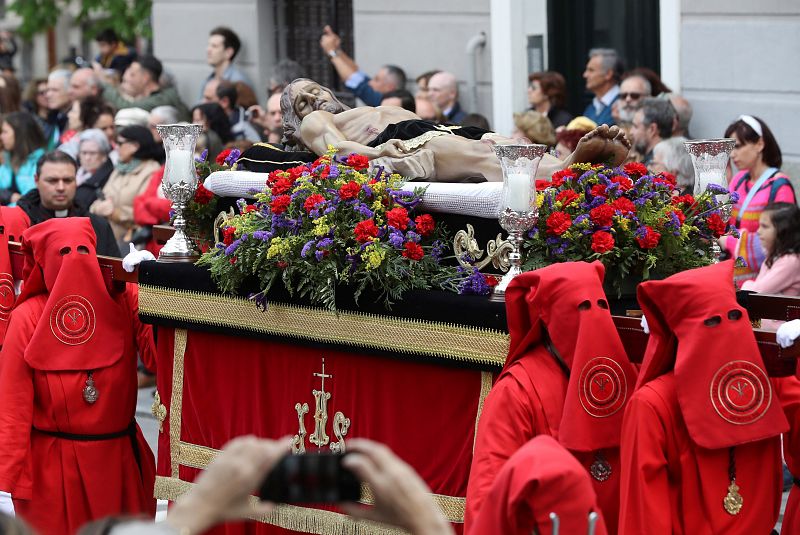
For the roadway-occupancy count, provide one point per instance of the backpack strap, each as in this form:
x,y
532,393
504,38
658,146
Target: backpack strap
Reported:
x,y
776,186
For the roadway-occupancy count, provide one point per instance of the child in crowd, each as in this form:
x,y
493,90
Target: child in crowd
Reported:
x,y
779,233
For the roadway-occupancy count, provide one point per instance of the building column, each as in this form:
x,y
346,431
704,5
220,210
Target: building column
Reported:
x,y
509,63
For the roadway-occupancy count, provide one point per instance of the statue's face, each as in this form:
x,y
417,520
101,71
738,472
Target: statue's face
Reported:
x,y
308,96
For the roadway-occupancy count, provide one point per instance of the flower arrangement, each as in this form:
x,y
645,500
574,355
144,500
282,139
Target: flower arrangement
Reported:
x,y
201,211
632,221
333,222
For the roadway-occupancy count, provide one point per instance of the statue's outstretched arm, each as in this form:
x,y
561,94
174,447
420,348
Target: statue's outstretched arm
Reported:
x,y
318,131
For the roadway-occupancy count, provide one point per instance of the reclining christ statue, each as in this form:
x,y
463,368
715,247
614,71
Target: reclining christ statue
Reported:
x,y
313,119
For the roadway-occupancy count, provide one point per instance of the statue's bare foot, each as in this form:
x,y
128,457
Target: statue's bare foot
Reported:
x,y
604,144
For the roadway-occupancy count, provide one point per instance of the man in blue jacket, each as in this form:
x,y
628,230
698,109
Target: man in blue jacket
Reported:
x,y
602,75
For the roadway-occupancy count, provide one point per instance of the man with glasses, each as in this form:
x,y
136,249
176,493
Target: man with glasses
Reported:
x,y
632,91
54,196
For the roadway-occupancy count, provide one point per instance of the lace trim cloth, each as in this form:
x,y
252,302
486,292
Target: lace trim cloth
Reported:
x,y
477,200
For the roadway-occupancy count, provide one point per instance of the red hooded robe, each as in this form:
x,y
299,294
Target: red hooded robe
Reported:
x,y
567,376
71,449
704,416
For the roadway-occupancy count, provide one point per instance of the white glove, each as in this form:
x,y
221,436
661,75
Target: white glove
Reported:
x,y
788,333
645,326
6,505
133,258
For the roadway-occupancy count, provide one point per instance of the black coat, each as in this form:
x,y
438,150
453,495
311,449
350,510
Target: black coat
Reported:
x,y
106,244
88,191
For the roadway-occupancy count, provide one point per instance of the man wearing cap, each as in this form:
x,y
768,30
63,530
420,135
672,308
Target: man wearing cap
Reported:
x,y
566,375
54,197
72,451
701,450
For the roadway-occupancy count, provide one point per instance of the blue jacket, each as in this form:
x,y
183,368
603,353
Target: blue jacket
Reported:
x,y
21,182
604,117
358,83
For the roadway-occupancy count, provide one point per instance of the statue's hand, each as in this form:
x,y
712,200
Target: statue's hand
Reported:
x,y
602,145
394,148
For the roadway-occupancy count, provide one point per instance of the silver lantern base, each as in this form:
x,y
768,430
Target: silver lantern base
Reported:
x,y
516,224
180,247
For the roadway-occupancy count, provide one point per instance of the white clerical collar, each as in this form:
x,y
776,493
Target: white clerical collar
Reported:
x,y
61,213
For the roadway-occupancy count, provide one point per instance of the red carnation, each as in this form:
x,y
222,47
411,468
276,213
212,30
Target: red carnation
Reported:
x,y
558,223
357,162
624,206
688,200
624,183
491,280
666,178
413,251
542,185
296,172
567,197
599,190
716,225
602,241
680,216
249,208
222,155
650,238
425,225
349,190
282,185
559,176
397,218
601,216
312,201
280,203
365,230
635,168
202,195
228,235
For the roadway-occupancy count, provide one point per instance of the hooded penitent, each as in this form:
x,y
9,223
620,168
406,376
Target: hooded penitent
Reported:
x,y
62,263
698,329
540,478
564,307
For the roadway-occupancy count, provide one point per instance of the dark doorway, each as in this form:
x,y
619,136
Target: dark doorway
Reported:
x,y
300,24
575,26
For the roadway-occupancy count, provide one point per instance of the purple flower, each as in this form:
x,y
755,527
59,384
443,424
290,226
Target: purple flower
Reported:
x,y
235,245
202,157
734,197
413,236
319,255
334,172
324,243
233,156
474,283
406,199
307,248
716,189
263,235
437,250
260,300
396,240
580,219
363,209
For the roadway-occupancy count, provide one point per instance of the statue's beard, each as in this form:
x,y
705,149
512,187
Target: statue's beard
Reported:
x,y
332,106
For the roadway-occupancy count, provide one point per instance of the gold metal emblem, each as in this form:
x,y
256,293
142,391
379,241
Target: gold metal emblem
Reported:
x,y
159,411
733,500
319,437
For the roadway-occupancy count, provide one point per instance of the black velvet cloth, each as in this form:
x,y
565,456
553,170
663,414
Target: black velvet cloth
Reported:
x,y
435,306
265,158
416,127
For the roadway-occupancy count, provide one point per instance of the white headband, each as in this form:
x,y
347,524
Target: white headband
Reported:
x,y
753,123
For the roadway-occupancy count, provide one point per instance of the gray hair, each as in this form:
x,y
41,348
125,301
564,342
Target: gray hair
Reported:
x,y
168,113
648,89
610,61
96,135
684,111
62,74
396,75
676,160
660,112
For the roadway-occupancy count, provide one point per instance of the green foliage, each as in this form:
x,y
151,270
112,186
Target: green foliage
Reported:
x,y
128,18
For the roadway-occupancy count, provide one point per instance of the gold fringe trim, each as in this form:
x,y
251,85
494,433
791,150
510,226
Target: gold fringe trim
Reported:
x,y
291,517
176,399
486,387
399,335
196,456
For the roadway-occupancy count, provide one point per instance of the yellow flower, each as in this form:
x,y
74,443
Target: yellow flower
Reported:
x,y
581,166
321,227
373,257
377,206
622,222
277,247
539,201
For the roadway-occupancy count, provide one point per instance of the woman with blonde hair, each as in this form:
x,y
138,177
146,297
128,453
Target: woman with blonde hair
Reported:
x,y
535,126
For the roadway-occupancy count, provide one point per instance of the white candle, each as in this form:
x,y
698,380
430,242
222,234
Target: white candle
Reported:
x,y
711,176
519,192
180,166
